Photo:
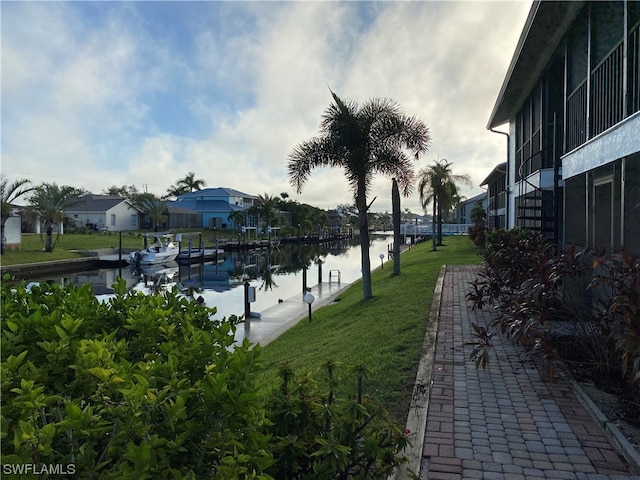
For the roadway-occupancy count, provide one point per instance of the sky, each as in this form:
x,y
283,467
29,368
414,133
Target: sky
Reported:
x,y
101,94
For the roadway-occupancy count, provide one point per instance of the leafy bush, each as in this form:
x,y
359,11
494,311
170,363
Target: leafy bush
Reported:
x,y
319,436
139,387
531,283
617,307
147,386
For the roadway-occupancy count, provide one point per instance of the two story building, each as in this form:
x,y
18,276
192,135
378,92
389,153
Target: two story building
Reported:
x,y
217,206
571,99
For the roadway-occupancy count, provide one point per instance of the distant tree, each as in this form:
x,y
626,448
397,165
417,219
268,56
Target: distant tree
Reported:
x,y
153,208
437,186
267,210
9,193
130,192
50,202
363,140
185,185
190,183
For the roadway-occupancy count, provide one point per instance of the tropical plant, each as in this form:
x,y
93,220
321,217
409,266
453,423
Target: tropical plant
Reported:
x,y
363,140
130,192
267,210
438,185
149,386
154,209
142,386
185,185
50,202
318,434
9,193
477,230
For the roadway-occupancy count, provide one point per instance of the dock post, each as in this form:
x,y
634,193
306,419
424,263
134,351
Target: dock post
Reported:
x,y
304,279
319,271
247,306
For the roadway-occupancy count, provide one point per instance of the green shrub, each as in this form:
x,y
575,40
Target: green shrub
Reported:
x,y
139,387
147,386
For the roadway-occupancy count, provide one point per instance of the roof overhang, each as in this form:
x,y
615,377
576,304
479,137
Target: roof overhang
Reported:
x,y
498,170
544,29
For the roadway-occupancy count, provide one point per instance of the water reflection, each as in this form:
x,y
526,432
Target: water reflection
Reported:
x,y
276,274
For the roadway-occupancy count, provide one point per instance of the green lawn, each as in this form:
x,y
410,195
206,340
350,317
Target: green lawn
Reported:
x,y
385,334
32,250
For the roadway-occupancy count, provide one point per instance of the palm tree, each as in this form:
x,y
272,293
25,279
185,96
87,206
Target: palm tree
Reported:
x,y
363,140
154,208
190,183
185,185
9,193
267,209
50,202
437,185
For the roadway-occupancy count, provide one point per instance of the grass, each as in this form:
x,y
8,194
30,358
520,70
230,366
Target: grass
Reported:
x,y
32,249
384,334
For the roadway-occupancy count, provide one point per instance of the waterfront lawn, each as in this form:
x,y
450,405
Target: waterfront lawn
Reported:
x,y
32,249
385,334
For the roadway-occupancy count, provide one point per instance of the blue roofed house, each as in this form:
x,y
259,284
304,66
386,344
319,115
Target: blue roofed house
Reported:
x,y
216,206
571,99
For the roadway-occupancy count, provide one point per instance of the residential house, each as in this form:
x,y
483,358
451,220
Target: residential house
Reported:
x,y
217,205
104,212
571,99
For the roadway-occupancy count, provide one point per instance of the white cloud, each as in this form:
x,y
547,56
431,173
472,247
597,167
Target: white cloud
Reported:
x,y
94,97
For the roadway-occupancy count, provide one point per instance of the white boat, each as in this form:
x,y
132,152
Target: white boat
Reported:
x,y
163,249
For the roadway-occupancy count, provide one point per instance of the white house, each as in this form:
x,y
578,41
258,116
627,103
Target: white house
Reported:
x,y
105,212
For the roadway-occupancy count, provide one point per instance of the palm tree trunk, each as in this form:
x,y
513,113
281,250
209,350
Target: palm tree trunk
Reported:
x,y
365,262
433,223
395,204
49,239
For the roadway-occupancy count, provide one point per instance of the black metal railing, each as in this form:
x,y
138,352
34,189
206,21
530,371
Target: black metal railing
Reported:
x,y
633,71
576,124
607,97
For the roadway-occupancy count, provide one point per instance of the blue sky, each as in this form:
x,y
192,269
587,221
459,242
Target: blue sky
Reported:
x,y
96,94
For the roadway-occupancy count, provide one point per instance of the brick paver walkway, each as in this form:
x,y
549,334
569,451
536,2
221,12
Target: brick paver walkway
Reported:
x,y
503,422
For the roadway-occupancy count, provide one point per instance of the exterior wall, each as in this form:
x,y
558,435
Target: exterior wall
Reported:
x,y
463,210
120,218
603,207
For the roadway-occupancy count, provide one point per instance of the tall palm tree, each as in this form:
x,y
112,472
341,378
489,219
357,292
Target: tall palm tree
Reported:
x,y
185,185
191,183
438,185
9,193
363,141
50,202
267,209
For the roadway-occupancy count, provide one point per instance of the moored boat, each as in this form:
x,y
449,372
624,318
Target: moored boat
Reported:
x,y
163,249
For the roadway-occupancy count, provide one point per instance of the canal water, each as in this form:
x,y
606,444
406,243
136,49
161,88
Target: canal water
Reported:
x,y
274,274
